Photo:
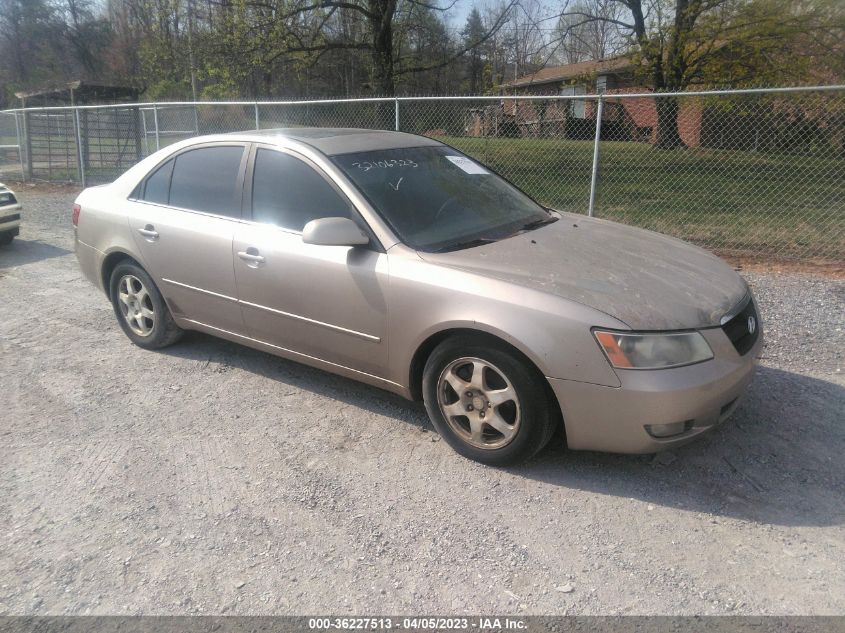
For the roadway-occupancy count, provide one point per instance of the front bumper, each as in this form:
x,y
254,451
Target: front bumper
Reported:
x,y
614,419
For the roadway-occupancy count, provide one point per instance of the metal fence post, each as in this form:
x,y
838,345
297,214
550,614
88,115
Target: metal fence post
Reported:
x,y
155,121
20,145
27,137
595,174
396,110
143,114
80,165
257,121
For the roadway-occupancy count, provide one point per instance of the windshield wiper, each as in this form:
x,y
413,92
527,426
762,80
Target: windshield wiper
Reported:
x,y
468,244
537,223
487,240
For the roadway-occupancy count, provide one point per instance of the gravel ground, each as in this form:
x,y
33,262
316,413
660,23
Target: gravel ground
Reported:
x,y
211,478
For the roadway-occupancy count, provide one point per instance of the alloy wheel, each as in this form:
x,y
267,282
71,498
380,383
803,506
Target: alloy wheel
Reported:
x,y
479,403
136,305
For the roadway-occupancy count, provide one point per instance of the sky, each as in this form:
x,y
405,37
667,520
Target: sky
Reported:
x,y
457,15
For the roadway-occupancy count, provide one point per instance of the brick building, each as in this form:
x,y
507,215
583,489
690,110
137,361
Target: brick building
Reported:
x,y
623,119
791,123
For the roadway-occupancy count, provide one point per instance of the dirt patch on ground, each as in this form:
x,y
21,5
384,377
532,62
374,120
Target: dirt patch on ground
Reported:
x,y
820,267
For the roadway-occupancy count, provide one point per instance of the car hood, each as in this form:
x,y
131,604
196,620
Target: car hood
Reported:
x,y
646,280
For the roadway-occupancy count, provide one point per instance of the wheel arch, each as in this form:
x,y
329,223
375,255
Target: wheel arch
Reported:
x,y
424,350
110,262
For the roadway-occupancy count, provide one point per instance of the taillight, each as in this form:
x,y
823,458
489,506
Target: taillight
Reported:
x,y
74,216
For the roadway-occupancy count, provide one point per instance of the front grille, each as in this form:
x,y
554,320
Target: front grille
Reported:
x,y
738,329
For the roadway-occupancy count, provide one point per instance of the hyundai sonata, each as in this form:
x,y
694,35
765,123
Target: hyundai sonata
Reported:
x,y
396,260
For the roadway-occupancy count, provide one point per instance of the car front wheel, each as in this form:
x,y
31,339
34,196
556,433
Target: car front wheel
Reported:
x,y
140,308
489,403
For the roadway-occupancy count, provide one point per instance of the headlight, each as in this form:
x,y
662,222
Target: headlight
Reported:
x,y
653,351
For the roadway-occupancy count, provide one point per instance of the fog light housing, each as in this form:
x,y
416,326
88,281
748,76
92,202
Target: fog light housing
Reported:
x,y
668,430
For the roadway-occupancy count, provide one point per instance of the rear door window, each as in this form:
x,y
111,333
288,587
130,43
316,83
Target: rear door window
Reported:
x,y
206,179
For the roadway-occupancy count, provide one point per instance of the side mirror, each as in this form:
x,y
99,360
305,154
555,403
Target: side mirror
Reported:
x,y
334,232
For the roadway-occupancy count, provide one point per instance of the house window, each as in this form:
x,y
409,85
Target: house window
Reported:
x,y
577,107
601,83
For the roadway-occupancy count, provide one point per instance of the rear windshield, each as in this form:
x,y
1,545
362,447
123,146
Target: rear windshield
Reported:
x,y
435,198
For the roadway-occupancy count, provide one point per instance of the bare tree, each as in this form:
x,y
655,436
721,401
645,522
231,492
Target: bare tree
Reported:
x,y
676,42
666,41
380,17
525,38
595,39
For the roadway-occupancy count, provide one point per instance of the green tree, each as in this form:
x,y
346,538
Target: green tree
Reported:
x,y
30,46
474,31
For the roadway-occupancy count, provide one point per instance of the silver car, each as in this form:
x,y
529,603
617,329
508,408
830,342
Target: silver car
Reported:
x,y
10,215
397,261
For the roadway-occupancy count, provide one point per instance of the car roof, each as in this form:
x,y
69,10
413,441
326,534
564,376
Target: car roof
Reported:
x,y
333,141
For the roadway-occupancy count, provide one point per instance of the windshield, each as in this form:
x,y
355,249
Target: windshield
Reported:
x,y
437,199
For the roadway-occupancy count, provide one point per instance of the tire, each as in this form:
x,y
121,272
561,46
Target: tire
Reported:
x,y
7,237
140,309
502,414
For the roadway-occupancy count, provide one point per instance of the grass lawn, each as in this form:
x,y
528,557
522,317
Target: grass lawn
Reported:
x,y
772,204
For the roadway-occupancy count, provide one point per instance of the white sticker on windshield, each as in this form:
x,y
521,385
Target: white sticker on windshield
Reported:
x,y
469,166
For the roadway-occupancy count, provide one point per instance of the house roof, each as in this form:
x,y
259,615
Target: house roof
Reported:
x,y
553,74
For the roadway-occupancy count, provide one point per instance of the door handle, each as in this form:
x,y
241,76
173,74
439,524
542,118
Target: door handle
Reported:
x,y
149,232
251,257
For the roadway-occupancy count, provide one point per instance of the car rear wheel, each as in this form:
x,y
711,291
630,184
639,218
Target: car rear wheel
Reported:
x,y
7,237
140,308
489,403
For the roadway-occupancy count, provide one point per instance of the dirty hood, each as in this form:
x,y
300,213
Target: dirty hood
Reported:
x,y
644,279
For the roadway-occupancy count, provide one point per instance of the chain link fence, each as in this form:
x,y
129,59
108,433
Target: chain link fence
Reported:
x,y
744,172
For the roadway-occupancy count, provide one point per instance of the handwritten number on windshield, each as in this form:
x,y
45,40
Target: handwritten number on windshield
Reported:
x,y
384,164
